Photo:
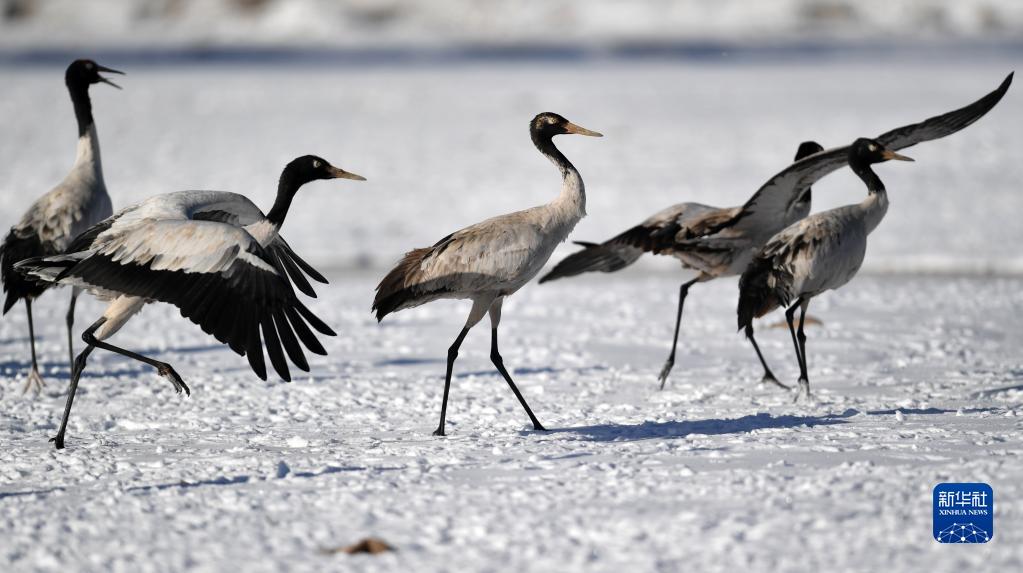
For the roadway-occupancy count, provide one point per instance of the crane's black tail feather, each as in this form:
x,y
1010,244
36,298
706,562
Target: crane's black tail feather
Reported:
x,y
762,288
403,287
593,257
18,286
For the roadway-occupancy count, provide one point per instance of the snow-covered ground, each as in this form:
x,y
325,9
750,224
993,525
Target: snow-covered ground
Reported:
x,y
714,473
918,377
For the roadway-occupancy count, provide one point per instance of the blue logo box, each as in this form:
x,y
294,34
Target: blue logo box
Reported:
x,y
964,513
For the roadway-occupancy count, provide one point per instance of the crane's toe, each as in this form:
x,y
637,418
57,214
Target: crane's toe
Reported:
x,y
803,391
34,381
167,371
665,370
770,379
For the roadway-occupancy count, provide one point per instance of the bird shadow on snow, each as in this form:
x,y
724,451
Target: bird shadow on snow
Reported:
x,y
713,427
525,371
996,391
927,411
152,351
63,371
1016,375
244,479
408,362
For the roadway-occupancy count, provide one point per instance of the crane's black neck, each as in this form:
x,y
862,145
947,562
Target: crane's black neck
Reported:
x,y
83,105
869,178
286,189
545,143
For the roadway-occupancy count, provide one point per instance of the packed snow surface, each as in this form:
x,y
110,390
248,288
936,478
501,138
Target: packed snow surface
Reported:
x,y
916,368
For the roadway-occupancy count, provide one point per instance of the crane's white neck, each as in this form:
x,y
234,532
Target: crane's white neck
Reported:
x,y
875,205
572,199
874,208
87,158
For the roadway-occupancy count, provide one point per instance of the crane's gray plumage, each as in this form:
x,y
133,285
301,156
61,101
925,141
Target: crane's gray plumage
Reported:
x,y
74,205
722,242
493,259
212,254
696,234
822,252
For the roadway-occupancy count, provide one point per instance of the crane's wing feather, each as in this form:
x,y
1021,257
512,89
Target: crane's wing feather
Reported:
x,y
657,234
215,273
945,124
492,255
241,213
778,195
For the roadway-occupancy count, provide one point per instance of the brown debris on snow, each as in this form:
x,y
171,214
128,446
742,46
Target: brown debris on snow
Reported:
x,y
370,545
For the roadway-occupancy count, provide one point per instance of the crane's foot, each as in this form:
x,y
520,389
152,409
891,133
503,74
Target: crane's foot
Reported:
x,y
439,431
33,382
58,441
167,371
803,391
770,379
538,427
665,370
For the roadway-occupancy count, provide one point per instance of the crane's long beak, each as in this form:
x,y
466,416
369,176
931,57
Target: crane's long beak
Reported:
x,y
889,154
573,128
342,174
100,68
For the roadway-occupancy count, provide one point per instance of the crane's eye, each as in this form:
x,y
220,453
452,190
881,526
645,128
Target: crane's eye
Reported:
x,y
89,65
316,164
872,147
551,120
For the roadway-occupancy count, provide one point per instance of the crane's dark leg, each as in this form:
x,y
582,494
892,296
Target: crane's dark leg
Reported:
x,y
804,378
452,354
790,318
75,291
165,370
34,379
670,362
768,375
495,357
76,373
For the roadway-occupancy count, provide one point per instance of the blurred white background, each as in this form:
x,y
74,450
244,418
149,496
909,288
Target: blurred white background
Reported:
x,y
379,22
700,101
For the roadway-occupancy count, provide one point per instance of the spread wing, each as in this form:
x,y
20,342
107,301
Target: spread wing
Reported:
x,y
658,234
776,197
215,273
241,213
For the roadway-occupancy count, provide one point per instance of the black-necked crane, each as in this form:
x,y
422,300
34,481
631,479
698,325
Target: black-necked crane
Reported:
x,y
491,260
664,233
721,242
212,254
820,253
74,205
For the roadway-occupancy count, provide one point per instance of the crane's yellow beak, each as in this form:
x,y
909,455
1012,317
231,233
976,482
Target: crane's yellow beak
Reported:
x,y
573,128
342,174
888,154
